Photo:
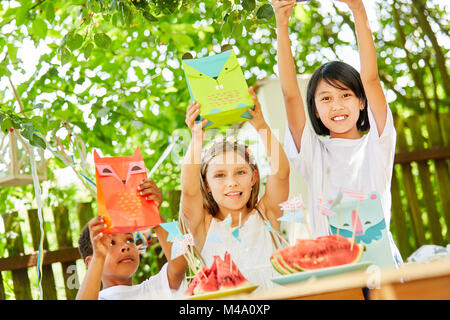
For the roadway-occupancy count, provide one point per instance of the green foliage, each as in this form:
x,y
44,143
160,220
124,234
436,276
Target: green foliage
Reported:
x,y
109,71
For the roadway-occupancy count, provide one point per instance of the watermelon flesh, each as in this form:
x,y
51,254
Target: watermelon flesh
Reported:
x,y
323,252
222,275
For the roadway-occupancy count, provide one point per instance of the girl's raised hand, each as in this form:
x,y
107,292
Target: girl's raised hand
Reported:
x,y
257,120
283,10
192,112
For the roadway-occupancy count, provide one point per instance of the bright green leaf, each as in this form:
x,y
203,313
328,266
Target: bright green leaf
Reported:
x,y
66,56
39,28
102,40
74,42
88,50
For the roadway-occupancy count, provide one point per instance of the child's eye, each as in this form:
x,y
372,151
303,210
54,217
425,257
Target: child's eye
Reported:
x,y
130,240
241,172
346,95
219,175
325,99
112,243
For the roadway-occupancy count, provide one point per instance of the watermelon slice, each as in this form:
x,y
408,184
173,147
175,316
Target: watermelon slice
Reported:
x,y
223,275
323,252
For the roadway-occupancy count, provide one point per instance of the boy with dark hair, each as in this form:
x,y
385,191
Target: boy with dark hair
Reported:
x,y
112,259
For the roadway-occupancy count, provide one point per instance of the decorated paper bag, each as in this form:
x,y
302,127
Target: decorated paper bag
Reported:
x,y
367,218
218,84
118,199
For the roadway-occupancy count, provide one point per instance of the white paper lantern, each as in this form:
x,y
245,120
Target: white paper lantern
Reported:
x,y
15,165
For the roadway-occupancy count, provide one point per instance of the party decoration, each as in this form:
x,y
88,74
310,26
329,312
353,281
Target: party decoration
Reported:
x,y
117,180
173,228
235,233
180,246
218,84
364,221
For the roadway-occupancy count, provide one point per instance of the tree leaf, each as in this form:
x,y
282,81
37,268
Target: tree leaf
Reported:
x,y
249,5
37,141
102,40
88,50
66,56
39,28
50,12
149,16
74,42
265,12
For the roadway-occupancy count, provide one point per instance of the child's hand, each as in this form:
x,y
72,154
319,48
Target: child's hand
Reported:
x,y
258,119
192,112
99,240
283,11
149,189
353,4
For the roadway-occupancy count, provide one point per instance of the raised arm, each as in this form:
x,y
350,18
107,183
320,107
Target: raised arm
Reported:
x,y
91,285
369,67
176,268
277,186
191,195
288,75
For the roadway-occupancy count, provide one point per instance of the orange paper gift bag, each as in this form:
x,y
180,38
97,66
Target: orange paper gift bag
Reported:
x,y
118,198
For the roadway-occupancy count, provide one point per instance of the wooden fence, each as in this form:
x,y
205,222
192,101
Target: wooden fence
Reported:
x,y
420,207
18,263
420,183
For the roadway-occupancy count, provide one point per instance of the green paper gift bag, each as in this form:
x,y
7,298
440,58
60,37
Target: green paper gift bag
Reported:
x,y
218,84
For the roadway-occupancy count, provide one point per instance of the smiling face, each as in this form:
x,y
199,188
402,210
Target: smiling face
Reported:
x,y
122,259
338,109
230,179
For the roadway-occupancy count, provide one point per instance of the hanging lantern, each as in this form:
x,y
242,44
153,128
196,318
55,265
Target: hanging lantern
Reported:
x,y
15,166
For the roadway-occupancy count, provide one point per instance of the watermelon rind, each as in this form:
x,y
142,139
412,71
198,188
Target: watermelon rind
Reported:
x,y
277,266
285,264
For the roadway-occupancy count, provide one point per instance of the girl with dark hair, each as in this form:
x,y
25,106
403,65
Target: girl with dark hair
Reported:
x,y
224,182
342,104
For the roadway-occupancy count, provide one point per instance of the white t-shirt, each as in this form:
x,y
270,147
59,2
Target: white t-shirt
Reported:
x,y
363,164
251,255
154,288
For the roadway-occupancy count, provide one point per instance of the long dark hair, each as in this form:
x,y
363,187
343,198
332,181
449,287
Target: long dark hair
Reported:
x,y
341,76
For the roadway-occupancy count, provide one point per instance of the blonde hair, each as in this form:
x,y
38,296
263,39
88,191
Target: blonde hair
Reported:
x,y
220,148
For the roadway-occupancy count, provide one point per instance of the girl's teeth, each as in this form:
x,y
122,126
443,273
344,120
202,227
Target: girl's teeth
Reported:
x,y
339,118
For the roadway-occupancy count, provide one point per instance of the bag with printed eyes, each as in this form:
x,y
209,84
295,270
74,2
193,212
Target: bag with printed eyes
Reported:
x,y
118,198
218,84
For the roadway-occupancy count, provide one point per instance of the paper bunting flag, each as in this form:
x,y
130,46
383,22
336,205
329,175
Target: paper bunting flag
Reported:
x,y
173,228
180,246
293,204
355,194
235,233
323,209
295,216
356,223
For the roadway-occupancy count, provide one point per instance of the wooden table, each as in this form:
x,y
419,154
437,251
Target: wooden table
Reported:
x,y
409,281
